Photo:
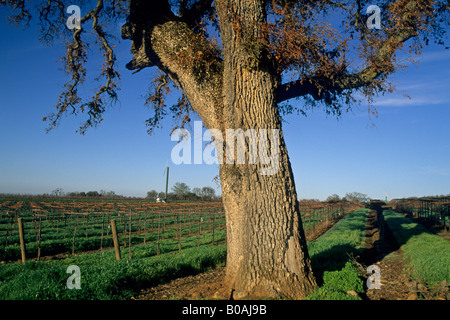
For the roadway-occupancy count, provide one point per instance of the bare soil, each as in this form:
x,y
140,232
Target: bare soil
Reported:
x,y
385,253
396,280
205,285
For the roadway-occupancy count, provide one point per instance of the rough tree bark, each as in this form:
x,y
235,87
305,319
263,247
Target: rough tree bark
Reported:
x,y
267,254
238,86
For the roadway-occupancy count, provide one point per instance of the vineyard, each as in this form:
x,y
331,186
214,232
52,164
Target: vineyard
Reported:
x,y
56,228
53,229
120,246
123,247
433,210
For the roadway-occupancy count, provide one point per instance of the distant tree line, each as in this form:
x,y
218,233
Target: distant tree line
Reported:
x,y
59,192
352,196
181,191
94,194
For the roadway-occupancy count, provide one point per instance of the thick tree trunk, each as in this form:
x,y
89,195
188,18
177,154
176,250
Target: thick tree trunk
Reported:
x,y
267,254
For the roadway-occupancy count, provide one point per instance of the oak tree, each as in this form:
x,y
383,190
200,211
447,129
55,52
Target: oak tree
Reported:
x,y
239,64
181,189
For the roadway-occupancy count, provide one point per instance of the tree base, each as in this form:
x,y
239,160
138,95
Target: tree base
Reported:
x,y
287,287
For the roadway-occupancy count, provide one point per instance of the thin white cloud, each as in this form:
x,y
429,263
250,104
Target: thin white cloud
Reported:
x,y
434,85
406,102
434,56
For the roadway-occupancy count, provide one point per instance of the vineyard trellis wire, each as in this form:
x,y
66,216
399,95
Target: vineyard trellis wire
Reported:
x,y
56,229
433,209
316,213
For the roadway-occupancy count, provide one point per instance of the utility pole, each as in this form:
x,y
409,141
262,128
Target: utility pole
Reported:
x,y
167,181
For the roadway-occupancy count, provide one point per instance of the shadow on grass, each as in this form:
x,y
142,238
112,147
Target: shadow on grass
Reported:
x,y
427,254
397,230
404,229
343,241
333,259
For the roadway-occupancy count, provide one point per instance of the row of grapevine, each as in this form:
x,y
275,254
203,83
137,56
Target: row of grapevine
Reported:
x,y
51,229
315,213
435,210
57,229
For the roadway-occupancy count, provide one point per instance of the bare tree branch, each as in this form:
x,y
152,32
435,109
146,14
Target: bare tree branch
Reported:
x,y
404,23
316,86
74,60
23,15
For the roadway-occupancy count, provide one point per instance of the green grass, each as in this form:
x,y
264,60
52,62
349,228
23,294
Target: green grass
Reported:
x,y
60,240
330,255
427,254
332,250
104,279
337,283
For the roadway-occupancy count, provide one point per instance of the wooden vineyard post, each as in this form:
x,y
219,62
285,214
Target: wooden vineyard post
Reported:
x,y
39,239
115,239
21,239
214,222
210,219
199,229
129,238
74,234
157,239
179,236
101,236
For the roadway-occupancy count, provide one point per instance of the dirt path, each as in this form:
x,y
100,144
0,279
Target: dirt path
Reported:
x,y
396,281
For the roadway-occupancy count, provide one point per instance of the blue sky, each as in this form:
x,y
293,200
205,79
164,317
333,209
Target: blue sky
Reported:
x,y
405,153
